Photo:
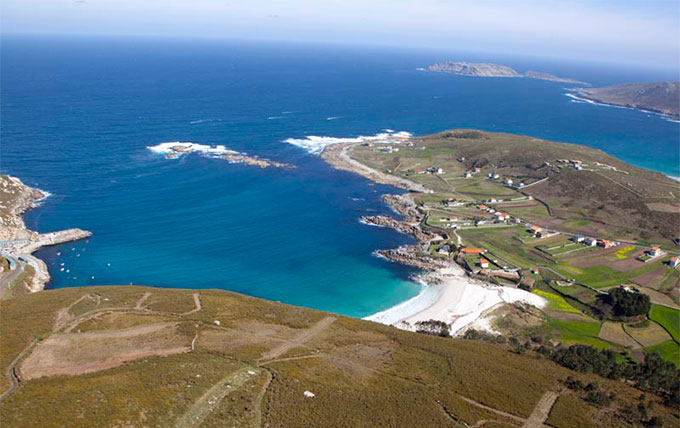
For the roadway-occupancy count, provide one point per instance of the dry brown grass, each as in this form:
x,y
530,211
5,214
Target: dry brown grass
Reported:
x,y
79,353
362,373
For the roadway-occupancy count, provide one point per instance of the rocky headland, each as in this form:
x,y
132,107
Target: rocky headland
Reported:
x,y
17,242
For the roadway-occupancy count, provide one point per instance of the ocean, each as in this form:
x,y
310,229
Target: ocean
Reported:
x,y
78,115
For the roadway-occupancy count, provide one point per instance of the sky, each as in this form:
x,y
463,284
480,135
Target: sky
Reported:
x,y
624,31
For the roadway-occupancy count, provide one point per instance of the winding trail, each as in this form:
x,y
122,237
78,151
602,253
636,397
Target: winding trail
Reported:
x,y
209,401
298,340
197,302
542,410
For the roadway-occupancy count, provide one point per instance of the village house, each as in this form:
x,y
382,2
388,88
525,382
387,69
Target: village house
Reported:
x,y
578,238
655,252
674,262
453,203
444,250
472,251
536,231
484,263
467,174
493,176
502,216
606,243
590,242
508,182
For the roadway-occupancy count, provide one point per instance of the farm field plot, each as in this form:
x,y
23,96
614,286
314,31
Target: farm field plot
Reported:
x,y
668,318
556,302
575,332
669,351
651,335
614,332
603,275
501,244
658,278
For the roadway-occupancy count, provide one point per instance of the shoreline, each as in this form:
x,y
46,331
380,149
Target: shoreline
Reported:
x,y
18,243
448,294
579,96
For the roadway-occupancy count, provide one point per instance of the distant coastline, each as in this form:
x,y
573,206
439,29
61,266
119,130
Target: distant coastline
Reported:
x,y
661,98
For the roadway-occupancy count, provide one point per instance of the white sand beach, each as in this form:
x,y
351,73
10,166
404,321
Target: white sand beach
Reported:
x,y
454,298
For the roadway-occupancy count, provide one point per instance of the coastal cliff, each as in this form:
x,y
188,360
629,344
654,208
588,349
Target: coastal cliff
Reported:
x,y
657,97
24,272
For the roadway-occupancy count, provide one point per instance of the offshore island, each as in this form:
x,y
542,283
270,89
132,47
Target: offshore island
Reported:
x,y
477,69
575,250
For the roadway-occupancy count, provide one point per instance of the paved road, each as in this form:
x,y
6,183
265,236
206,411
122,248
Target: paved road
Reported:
x,y
7,278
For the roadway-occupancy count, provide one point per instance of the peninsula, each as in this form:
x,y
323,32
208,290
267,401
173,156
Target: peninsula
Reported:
x,y
20,271
519,234
658,97
493,70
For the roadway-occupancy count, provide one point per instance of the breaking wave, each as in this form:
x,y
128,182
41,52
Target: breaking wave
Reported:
x,y
315,144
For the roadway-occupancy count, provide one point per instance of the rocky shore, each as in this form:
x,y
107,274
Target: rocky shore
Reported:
x,y
253,161
17,242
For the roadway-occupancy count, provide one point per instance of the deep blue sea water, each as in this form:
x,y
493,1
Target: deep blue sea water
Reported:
x,y
77,116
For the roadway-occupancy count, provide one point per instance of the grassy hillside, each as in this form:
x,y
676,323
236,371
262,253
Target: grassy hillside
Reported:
x,y
133,356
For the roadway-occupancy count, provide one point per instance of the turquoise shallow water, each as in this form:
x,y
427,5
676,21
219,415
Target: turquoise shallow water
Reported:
x,y
78,115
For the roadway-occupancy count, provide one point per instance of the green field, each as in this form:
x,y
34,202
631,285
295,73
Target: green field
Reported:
x,y
602,276
574,332
669,319
556,302
668,350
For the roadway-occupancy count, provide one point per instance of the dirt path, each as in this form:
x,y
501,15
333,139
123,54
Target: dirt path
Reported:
x,y
298,340
64,314
14,379
141,300
209,401
542,410
258,401
197,302
491,409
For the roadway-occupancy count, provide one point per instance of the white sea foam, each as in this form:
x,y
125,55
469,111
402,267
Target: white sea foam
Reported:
x,y
577,99
425,298
45,195
333,117
315,144
673,177
196,122
202,149
274,117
